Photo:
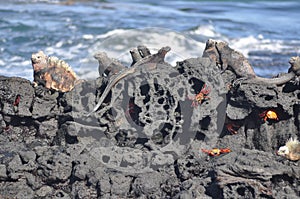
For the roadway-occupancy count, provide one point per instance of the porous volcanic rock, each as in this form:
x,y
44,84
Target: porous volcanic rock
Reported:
x,y
146,140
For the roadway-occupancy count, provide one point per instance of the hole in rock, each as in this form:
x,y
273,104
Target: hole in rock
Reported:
x,y
197,84
158,138
268,98
241,191
59,194
162,136
125,164
49,162
204,123
189,164
108,98
105,158
141,141
170,98
246,191
178,113
158,88
180,92
290,87
71,139
175,133
166,107
84,101
200,136
133,111
145,88
180,67
278,179
160,100
146,100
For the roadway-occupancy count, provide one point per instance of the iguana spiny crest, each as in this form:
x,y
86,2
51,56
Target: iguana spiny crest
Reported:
x,y
52,72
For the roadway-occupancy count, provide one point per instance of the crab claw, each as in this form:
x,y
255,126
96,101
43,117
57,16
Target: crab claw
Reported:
x,y
225,150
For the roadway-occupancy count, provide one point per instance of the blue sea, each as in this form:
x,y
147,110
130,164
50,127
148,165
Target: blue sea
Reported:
x,y
267,32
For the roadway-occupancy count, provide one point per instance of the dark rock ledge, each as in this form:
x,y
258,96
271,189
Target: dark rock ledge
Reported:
x,y
146,141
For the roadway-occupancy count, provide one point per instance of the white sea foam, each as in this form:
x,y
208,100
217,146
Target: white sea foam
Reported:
x,y
243,44
2,63
75,32
263,53
88,36
63,53
258,43
18,71
206,30
110,33
117,43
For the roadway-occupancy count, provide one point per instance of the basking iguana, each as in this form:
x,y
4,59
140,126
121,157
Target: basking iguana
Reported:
x,y
223,55
141,58
52,73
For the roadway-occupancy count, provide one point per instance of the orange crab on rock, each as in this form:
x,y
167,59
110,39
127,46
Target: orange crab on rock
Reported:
x,y
201,96
216,151
269,115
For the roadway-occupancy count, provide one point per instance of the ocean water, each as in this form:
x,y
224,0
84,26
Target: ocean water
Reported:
x,y
267,32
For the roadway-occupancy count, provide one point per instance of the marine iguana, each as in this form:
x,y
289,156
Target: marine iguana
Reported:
x,y
141,58
52,73
291,150
108,66
226,57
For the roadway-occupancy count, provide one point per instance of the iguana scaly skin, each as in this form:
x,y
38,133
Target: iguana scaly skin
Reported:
x,y
52,73
223,55
107,66
141,58
291,150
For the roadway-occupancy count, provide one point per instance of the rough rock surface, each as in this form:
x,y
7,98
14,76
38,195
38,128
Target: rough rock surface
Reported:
x,y
146,141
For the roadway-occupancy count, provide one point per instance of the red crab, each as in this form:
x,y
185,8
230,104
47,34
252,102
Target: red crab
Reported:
x,y
202,95
269,115
17,100
216,151
232,128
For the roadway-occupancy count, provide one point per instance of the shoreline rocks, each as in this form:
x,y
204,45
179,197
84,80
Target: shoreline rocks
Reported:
x,y
146,141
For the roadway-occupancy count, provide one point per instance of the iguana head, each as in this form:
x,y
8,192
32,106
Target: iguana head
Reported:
x,y
283,151
290,150
39,61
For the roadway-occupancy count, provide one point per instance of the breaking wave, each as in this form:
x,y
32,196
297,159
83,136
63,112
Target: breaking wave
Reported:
x,y
75,32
